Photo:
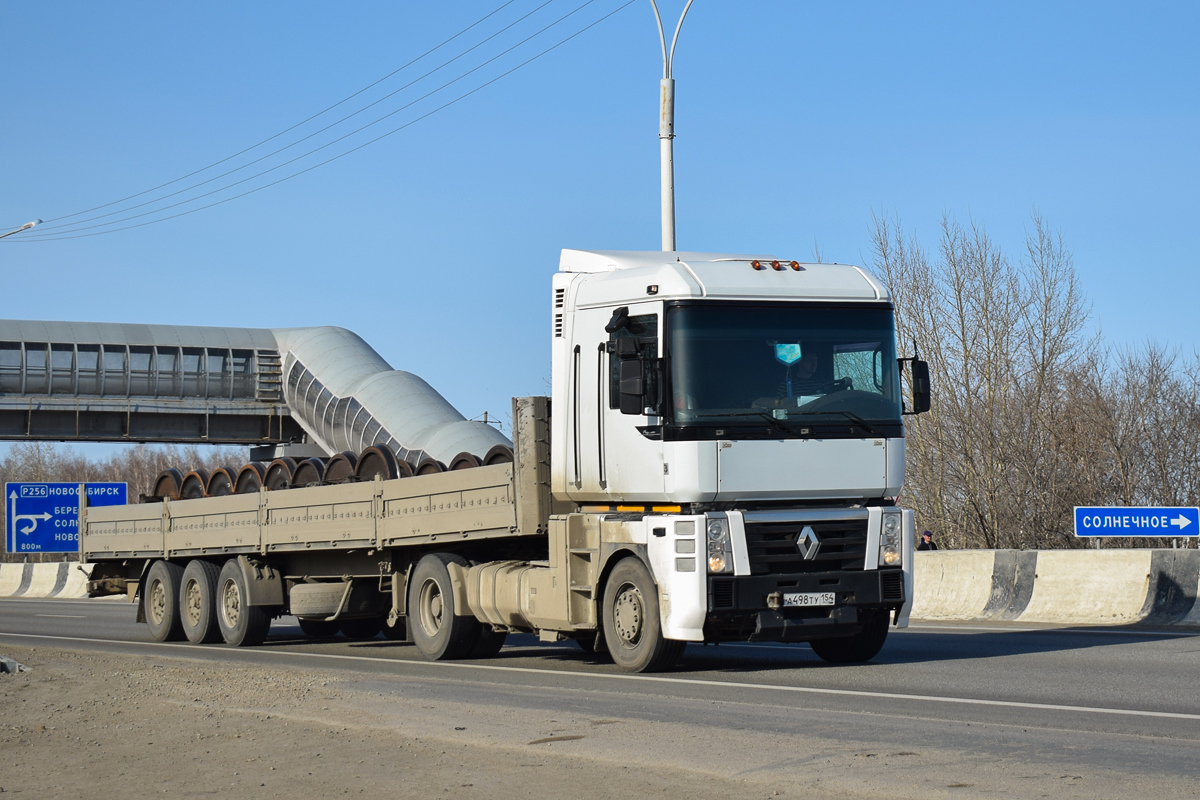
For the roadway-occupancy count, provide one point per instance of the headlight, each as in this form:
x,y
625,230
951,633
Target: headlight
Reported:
x,y
720,553
890,552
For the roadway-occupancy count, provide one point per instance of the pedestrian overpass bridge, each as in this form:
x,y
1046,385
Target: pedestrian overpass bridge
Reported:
x,y
323,386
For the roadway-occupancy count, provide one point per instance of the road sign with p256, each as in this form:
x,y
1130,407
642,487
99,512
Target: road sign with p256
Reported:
x,y
44,517
1134,521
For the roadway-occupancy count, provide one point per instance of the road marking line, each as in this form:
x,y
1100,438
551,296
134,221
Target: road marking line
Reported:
x,y
63,616
951,628
971,701
968,629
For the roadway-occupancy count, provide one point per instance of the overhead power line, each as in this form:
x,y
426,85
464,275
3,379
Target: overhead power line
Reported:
x,y
76,226
71,231
302,122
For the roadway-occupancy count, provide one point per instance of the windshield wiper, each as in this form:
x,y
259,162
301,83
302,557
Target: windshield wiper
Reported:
x,y
776,423
850,415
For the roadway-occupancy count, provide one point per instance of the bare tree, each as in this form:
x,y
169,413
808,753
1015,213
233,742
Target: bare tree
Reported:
x,y
1001,337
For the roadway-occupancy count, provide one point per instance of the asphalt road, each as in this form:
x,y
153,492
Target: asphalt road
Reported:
x,y
1117,708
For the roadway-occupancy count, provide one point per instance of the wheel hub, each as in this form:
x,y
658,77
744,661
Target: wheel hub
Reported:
x,y
432,608
628,613
192,603
158,602
231,604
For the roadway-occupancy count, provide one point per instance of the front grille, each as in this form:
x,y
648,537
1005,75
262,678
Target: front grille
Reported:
x,y
772,546
891,585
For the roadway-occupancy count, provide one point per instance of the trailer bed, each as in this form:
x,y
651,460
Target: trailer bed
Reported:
x,y
477,503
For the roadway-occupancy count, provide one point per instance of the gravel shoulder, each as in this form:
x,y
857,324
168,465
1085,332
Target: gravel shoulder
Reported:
x,y
84,723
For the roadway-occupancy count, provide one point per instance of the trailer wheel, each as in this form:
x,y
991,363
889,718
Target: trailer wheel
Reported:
x,y
242,625
632,626
197,602
862,646
161,600
362,627
318,628
437,629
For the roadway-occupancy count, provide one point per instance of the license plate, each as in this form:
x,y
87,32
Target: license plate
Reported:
x,y
808,599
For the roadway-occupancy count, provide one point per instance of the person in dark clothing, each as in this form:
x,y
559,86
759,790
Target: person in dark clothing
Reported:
x,y
927,542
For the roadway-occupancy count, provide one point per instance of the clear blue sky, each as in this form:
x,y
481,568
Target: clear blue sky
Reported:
x,y
795,121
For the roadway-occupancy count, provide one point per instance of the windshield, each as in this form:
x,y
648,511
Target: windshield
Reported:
x,y
786,366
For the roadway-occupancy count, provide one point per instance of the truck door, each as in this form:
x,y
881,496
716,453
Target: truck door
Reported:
x,y
630,465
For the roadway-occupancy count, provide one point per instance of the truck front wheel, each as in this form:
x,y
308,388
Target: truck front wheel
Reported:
x,y
632,626
161,599
862,646
433,618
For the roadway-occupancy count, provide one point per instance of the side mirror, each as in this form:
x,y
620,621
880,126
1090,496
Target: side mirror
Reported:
x,y
920,386
632,386
619,320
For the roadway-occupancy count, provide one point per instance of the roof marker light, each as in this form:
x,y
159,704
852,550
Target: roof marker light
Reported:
x,y
796,266
757,265
775,265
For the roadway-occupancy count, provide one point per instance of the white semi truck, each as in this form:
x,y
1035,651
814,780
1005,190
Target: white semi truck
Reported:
x,y
719,461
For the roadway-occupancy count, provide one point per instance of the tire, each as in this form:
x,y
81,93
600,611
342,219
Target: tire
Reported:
x,y
592,643
318,628
862,646
361,628
242,625
198,604
397,632
161,599
489,642
434,622
632,625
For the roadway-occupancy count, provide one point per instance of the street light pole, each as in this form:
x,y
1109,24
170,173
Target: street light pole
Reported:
x,y
24,227
666,129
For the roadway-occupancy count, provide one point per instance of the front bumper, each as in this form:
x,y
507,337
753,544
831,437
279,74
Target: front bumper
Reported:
x,y
739,606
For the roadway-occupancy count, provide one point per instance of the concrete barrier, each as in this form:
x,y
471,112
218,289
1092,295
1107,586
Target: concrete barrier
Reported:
x,y
1175,579
43,580
1011,582
1069,587
10,578
949,587
76,582
1105,587
57,579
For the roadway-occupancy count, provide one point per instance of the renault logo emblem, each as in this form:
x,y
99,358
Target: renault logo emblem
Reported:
x,y
808,543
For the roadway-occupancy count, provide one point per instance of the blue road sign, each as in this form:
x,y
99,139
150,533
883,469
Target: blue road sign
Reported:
x,y
1144,521
44,517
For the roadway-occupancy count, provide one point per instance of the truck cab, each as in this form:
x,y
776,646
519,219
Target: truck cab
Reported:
x,y
739,418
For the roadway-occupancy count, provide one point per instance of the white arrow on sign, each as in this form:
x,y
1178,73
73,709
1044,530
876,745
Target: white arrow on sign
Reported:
x,y
33,518
1181,522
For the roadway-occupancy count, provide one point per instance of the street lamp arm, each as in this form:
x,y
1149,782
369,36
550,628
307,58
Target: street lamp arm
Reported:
x,y
668,57
24,227
675,41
